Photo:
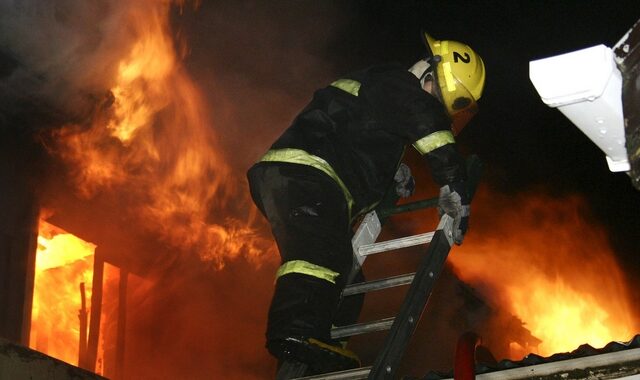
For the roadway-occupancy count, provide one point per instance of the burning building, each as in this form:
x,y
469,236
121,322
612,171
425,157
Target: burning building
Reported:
x,y
110,143
105,135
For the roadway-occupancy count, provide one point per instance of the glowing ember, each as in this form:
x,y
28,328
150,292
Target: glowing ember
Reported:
x,y
551,269
63,262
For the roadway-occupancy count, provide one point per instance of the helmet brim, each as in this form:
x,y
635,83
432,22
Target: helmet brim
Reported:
x,y
430,44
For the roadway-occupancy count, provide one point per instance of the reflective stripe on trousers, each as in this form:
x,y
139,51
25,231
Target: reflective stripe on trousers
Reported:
x,y
310,269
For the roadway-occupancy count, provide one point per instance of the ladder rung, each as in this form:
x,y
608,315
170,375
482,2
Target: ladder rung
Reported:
x,y
350,374
361,328
385,283
389,245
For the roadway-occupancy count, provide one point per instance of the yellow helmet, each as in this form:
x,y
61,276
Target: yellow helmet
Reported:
x,y
459,73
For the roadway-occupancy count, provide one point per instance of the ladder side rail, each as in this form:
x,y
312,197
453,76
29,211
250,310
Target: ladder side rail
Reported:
x,y
418,294
414,304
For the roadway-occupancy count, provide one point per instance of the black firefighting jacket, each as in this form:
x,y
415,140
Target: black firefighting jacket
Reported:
x,y
356,130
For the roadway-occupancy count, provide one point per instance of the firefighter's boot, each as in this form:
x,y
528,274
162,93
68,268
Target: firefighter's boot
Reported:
x,y
300,318
320,357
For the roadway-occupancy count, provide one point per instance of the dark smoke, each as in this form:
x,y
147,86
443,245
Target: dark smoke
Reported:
x,y
258,64
55,57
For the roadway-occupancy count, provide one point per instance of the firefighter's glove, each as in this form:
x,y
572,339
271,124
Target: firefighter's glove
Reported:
x,y
454,202
405,184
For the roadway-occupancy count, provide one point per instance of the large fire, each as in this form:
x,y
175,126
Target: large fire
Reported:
x,y
63,263
152,142
545,263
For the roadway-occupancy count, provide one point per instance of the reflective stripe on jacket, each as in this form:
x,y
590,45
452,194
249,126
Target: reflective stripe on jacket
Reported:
x,y
356,129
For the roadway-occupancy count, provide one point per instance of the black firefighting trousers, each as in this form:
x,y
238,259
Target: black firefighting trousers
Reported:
x,y
309,219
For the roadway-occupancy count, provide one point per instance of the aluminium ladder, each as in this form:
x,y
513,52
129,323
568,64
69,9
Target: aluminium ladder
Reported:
x,y
421,284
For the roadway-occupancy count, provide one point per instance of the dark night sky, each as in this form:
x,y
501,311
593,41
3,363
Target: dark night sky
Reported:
x,y
515,130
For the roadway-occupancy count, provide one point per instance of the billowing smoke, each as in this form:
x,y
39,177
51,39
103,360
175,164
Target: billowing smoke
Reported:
x,y
57,58
259,63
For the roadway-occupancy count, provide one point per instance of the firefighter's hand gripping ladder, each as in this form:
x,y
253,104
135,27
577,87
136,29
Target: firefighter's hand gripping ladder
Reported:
x,y
421,283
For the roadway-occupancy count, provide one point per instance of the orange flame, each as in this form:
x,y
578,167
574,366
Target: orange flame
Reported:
x,y
63,261
153,143
551,268
140,91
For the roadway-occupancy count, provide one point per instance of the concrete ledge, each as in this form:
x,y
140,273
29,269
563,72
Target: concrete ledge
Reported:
x,y
19,362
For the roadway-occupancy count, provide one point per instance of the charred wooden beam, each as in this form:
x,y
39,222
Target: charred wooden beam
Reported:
x,y
627,53
18,232
122,323
96,312
82,316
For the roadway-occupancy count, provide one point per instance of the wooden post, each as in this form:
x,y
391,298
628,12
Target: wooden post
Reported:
x,y
17,272
122,323
627,52
96,312
82,315
20,167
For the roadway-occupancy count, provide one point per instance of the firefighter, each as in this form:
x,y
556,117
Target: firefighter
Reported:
x,y
335,163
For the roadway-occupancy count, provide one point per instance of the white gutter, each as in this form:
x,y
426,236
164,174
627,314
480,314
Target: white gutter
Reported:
x,y
586,86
